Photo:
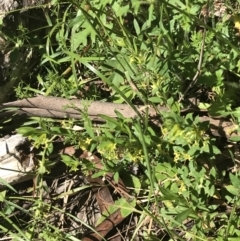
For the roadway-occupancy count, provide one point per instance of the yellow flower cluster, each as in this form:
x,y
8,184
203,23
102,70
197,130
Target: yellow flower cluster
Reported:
x,y
84,143
181,156
134,155
108,150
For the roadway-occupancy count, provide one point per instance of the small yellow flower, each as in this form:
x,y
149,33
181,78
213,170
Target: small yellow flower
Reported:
x,y
108,150
88,141
176,156
187,157
83,144
236,20
168,204
182,188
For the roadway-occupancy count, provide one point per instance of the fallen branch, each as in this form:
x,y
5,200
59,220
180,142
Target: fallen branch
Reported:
x,y
54,107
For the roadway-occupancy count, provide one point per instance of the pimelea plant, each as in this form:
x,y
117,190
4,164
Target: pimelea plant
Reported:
x,y
183,55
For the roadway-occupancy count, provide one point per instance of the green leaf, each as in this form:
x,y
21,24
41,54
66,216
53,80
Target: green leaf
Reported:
x,y
119,9
41,169
203,106
89,129
219,75
116,177
155,99
60,131
98,174
233,190
183,215
136,26
168,195
28,131
235,181
164,170
136,184
131,180
49,148
215,150
6,184
218,108
193,150
235,138
70,161
2,195
174,105
126,207
114,121
119,114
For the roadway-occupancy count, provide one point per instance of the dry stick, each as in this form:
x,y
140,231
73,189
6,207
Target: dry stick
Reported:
x,y
103,196
41,113
102,193
54,107
103,228
75,106
104,200
65,202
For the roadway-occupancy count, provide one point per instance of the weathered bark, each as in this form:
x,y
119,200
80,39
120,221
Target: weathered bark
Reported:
x,y
54,107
